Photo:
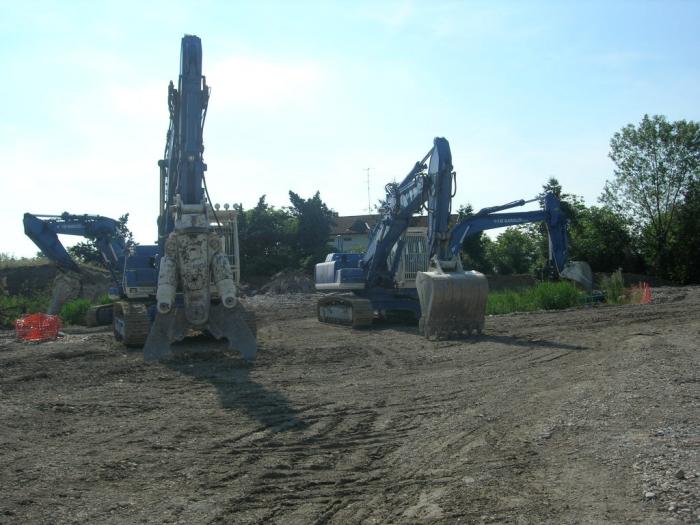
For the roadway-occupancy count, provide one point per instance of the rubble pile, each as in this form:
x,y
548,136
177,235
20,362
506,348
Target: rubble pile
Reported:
x,y
289,281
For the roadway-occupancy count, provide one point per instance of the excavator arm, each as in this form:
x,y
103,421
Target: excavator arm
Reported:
x,y
551,215
195,282
452,301
402,201
45,229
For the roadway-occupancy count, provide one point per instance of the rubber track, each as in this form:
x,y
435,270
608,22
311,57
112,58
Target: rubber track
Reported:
x,y
92,317
136,322
362,311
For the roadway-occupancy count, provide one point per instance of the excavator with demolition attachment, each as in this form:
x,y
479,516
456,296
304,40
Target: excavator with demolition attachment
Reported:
x,y
195,282
185,282
419,274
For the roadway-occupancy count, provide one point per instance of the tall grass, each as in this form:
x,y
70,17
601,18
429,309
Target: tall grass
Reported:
x,y
10,261
543,296
73,312
14,306
614,288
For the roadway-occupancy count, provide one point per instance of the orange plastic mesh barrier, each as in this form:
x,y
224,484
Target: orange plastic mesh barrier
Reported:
x,y
37,327
640,294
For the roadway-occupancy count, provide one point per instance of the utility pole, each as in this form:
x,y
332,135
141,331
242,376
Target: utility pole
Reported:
x,y
369,201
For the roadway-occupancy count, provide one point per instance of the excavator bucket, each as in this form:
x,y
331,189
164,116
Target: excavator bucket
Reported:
x,y
234,324
579,272
453,304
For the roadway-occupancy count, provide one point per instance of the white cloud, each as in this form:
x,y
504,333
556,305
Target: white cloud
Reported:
x,y
239,82
263,84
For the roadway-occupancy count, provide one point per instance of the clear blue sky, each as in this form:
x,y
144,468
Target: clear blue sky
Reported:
x,y
305,95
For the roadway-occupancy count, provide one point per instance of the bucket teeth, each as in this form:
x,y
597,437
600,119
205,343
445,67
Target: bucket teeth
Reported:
x,y
453,304
229,323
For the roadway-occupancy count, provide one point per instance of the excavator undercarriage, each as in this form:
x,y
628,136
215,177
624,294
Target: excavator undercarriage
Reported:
x,y
345,309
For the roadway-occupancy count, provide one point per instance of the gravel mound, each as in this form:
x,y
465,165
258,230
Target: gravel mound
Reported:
x,y
287,282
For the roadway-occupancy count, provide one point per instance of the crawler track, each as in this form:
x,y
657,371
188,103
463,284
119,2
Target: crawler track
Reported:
x,y
355,311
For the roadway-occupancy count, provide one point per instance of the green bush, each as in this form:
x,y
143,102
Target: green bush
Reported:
x,y
12,307
73,312
543,296
614,288
508,301
556,296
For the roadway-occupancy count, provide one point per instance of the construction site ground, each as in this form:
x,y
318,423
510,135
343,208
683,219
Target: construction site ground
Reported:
x,y
588,415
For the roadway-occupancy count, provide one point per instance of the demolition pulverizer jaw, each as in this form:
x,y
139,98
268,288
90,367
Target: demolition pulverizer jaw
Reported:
x,y
194,260
228,323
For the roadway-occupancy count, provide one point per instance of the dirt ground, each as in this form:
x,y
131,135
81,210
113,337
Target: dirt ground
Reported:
x,y
588,415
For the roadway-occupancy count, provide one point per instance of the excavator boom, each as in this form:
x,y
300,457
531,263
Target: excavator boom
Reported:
x,y
452,301
195,288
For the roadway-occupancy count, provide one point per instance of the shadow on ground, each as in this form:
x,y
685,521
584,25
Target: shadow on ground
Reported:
x,y
231,375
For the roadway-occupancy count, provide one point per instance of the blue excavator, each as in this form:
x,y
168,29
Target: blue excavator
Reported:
x,y
104,231
184,282
44,231
419,274
195,287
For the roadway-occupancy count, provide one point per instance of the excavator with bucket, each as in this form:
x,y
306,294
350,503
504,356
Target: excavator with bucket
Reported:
x,y
417,273
185,282
109,241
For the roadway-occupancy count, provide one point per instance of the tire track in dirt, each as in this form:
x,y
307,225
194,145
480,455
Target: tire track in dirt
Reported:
x,y
538,420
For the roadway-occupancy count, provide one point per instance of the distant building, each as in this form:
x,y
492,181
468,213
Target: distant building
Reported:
x,y
351,232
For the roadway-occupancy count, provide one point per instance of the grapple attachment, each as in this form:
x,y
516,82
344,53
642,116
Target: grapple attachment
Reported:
x,y
453,304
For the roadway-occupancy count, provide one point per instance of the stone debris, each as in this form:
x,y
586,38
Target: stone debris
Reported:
x,y
287,282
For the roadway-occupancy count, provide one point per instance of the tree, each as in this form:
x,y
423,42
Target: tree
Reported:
x,y
656,163
514,251
265,236
603,239
684,239
572,206
474,247
314,221
124,230
87,252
